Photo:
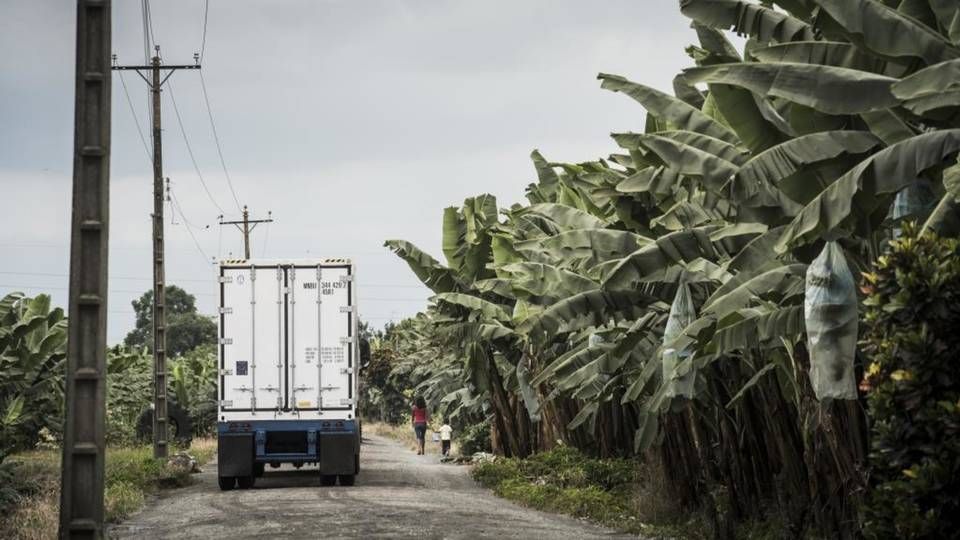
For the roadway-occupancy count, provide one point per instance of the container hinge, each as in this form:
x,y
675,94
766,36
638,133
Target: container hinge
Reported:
x,y
226,341
226,310
225,279
346,340
226,403
224,372
346,371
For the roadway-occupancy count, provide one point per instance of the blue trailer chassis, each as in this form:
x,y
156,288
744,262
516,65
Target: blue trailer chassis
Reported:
x,y
244,446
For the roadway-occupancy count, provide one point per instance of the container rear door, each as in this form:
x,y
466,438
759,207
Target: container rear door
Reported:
x,y
251,338
321,334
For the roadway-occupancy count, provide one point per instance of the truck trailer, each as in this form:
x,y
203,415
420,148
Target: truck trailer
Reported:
x,y
289,357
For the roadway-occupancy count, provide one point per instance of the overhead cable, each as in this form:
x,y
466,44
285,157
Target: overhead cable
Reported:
x,y
189,149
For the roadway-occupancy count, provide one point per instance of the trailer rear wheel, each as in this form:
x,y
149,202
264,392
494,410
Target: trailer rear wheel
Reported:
x,y
258,469
347,479
245,482
328,479
226,482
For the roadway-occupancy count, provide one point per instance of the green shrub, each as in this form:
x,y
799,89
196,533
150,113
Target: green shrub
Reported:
x,y
121,499
492,473
475,438
565,481
913,319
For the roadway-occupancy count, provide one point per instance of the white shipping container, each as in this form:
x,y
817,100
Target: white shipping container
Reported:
x,y
289,358
288,342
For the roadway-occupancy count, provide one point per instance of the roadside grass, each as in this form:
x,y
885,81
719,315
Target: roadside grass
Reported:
x,y
620,494
404,434
131,475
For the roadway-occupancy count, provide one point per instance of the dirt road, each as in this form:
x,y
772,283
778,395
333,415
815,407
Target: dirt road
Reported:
x,y
398,495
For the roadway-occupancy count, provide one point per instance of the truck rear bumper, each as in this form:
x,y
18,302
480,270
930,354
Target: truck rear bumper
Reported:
x,y
333,444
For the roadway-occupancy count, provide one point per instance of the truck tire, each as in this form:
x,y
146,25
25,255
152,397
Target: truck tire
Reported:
x,y
258,469
226,482
328,479
347,479
246,482
177,418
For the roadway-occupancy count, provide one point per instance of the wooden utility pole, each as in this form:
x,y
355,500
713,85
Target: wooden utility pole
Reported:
x,y
160,443
81,480
246,226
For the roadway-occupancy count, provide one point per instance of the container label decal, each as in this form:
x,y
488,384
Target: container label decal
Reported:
x,y
241,368
332,355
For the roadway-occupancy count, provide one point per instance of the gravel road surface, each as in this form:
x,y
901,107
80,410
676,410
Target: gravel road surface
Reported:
x,y
398,495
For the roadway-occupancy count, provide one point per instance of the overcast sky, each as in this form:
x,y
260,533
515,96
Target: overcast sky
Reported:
x,y
352,121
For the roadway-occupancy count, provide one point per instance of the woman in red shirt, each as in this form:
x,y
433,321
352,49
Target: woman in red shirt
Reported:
x,y
420,419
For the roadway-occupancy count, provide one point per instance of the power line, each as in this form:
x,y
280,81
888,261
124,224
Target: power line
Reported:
x,y
52,274
45,288
266,234
216,139
133,113
186,141
203,40
176,205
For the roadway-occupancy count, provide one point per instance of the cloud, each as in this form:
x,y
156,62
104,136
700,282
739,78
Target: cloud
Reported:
x,y
352,121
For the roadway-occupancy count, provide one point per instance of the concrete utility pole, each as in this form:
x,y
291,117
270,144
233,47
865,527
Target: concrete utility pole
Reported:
x,y
246,226
81,480
160,442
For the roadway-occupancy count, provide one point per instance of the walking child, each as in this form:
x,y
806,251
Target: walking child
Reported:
x,y
446,433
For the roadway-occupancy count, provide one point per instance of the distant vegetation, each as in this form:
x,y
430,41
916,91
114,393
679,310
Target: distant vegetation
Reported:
x,y
33,337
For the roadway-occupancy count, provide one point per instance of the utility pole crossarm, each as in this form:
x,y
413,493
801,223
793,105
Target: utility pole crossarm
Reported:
x,y
162,67
246,225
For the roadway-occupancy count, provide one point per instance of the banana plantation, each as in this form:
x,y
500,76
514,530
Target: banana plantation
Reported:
x,y
692,299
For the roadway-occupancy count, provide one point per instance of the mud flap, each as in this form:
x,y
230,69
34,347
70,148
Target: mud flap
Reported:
x,y
338,453
235,454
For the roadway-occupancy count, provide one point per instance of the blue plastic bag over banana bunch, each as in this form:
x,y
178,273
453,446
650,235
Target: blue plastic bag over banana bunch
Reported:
x,y
830,310
678,376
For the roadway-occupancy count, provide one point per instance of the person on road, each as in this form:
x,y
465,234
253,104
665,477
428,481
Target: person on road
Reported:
x,y
446,433
420,417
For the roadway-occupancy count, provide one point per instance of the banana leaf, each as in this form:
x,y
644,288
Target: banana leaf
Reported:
x,y
883,31
487,309
746,18
664,106
756,327
706,143
651,262
565,217
930,80
585,310
435,276
757,180
824,53
593,245
827,89
883,173
688,160
546,284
